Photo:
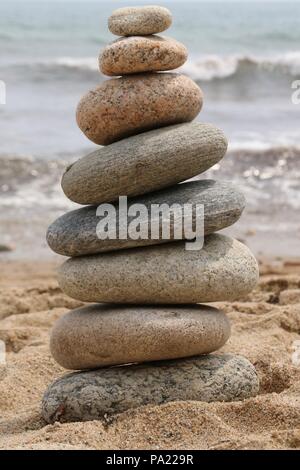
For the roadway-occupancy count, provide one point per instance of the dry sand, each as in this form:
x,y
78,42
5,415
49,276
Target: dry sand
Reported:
x,y
264,327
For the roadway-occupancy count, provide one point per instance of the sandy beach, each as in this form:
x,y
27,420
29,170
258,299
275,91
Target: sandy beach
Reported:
x,y
236,80
265,326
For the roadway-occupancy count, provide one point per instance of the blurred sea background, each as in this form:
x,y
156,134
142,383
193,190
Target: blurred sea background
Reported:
x,y
244,56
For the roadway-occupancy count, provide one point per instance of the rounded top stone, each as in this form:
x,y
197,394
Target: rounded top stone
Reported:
x,y
139,21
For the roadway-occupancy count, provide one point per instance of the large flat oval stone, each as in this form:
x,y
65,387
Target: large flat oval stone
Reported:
x,y
224,269
85,396
143,163
105,335
138,54
75,233
126,106
131,21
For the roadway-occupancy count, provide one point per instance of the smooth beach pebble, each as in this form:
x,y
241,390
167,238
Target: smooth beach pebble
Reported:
x,y
223,270
76,233
104,335
126,106
85,396
139,21
144,163
142,54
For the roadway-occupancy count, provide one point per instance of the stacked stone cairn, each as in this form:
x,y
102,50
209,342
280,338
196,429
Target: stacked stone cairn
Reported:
x,y
148,321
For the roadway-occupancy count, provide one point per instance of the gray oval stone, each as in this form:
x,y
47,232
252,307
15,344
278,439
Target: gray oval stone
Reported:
x,y
75,233
224,269
132,104
105,335
85,396
144,163
138,54
133,21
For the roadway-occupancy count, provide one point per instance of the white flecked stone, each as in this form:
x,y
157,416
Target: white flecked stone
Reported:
x,y
224,269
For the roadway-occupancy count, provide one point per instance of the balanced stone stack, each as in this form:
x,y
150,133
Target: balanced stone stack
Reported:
x,y
147,320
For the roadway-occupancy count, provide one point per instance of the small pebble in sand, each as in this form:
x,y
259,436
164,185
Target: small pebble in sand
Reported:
x,y
4,247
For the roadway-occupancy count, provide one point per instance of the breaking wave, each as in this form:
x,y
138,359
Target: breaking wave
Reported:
x,y
206,67
211,67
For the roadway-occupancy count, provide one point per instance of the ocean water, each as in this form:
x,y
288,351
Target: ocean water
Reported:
x,y
244,56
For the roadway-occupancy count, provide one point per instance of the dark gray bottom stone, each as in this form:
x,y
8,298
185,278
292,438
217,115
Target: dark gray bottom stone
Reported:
x,y
85,396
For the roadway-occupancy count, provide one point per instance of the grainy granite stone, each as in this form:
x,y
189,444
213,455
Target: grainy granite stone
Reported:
x,y
144,163
85,396
142,54
132,21
224,269
126,106
75,233
106,335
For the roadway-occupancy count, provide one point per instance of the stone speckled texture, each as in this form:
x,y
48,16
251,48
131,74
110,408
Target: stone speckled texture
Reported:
x,y
127,106
144,163
142,54
131,21
223,270
75,233
105,335
85,396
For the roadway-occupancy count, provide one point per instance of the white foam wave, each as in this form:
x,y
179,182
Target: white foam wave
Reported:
x,y
252,142
204,67
83,63
33,195
209,67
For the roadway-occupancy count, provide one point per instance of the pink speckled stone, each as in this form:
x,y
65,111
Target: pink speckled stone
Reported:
x,y
139,21
138,54
126,106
